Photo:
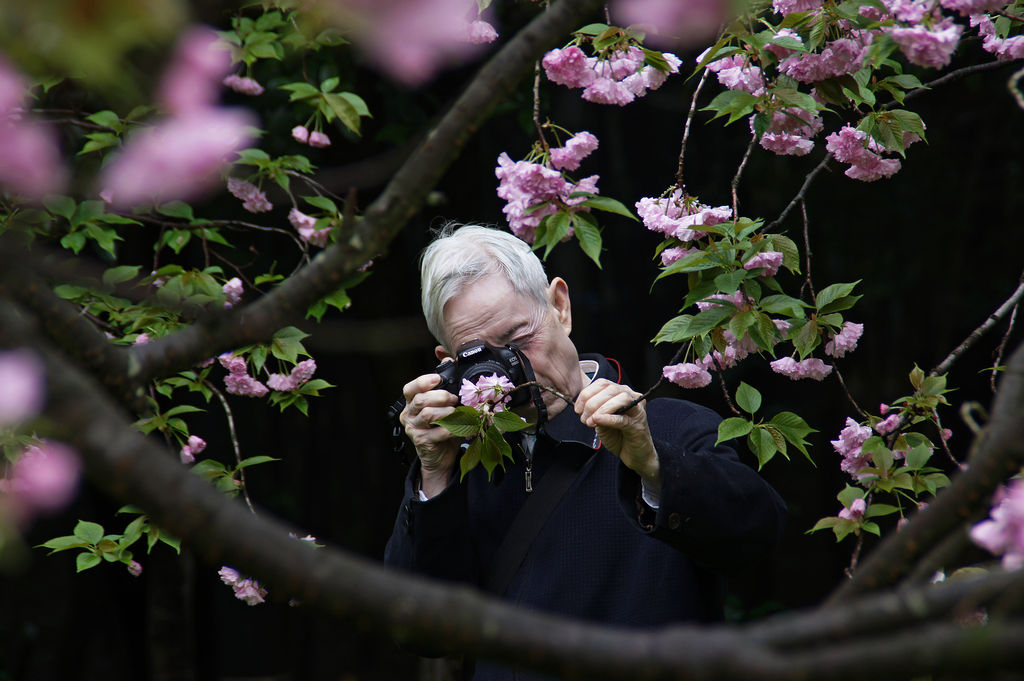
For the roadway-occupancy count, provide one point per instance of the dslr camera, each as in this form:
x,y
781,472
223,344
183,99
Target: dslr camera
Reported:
x,y
475,359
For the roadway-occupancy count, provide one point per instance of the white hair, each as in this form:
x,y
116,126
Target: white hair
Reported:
x,y
461,255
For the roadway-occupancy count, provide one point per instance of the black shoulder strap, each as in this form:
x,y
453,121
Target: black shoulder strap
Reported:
x,y
531,517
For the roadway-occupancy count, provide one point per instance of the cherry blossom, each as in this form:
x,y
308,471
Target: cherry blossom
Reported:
x,y
672,22
305,225
790,132
677,215
855,511
238,381
845,341
319,139
480,32
22,386
838,58
43,479
232,292
489,393
195,446
850,145
1003,532
736,73
192,80
246,589
769,260
888,425
849,446
300,373
812,367
134,568
928,47
253,200
243,85
576,148
788,6
301,134
687,375
617,77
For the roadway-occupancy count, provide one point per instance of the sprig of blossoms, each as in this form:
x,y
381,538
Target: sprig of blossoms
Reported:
x,y
245,588
850,447
305,225
238,381
855,147
488,394
615,76
253,200
679,214
790,131
845,341
535,190
812,367
687,375
300,373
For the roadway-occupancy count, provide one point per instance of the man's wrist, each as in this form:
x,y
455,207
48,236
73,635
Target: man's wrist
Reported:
x,y
434,481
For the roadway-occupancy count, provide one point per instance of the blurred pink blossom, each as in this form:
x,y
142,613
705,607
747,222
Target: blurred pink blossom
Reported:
x,y
687,375
480,32
192,80
179,158
42,480
232,292
243,85
22,386
301,134
888,425
855,511
305,225
410,40
246,589
253,200
134,568
1003,533
319,139
787,6
300,373
673,22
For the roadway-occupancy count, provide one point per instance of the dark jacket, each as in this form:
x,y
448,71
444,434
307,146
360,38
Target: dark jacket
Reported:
x,y
603,555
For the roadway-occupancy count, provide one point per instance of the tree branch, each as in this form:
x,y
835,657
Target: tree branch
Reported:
x,y
383,219
1008,305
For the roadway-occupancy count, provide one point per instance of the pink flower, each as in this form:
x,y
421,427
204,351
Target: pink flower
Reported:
x,y
888,425
44,478
253,200
790,132
243,85
946,434
856,510
677,215
849,446
191,82
488,393
300,373
968,7
928,47
769,260
250,591
811,367
319,139
301,134
687,375
232,291
180,158
883,408
845,341
670,255
30,159
788,6
480,32
576,148
569,67
244,385
22,386
839,57
1010,48
672,22
229,576
233,363
195,446
780,51
605,90
525,185
134,568
142,339
305,225
850,145
736,73
1003,533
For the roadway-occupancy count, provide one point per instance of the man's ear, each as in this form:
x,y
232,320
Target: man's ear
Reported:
x,y
442,354
558,299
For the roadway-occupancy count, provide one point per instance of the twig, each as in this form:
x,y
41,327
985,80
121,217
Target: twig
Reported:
x,y
856,555
991,321
953,76
808,282
661,380
536,108
720,373
680,182
800,195
234,443
546,388
945,444
318,187
1001,350
739,174
846,390
1004,13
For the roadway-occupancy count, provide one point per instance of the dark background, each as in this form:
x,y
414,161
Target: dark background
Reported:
x,y
937,247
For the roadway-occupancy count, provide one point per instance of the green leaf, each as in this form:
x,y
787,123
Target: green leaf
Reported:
x,y
73,242
589,237
875,510
762,444
674,330
176,209
708,319
834,292
508,422
592,29
730,281
918,457
86,560
609,205
807,338
735,103
732,428
63,206
63,544
344,110
87,531
329,84
300,91
825,524
471,457
849,495
748,398
254,460
357,102
321,202
463,422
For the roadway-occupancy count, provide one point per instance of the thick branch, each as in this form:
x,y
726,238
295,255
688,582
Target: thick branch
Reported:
x,y
998,453
383,219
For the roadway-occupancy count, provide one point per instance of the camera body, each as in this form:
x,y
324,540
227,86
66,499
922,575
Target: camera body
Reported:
x,y
475,359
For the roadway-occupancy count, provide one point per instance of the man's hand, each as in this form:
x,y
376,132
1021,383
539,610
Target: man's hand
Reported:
x,y
626,435
435,446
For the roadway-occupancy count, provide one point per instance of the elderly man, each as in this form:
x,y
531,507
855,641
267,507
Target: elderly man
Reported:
x,y
652,510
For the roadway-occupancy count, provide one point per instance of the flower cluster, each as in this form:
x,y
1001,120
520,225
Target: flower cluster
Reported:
x,y
845,341
849,446
1003,533
305,225
300,373
736,73
232,292
812,367
182,156
790,132
575,149
928,46
314,139
194,446
838,58
677,215
618,77
479,32
253,200
769,261
1003,48
853,146
889,424
246,589
243,85
534,191
238,381
488,394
